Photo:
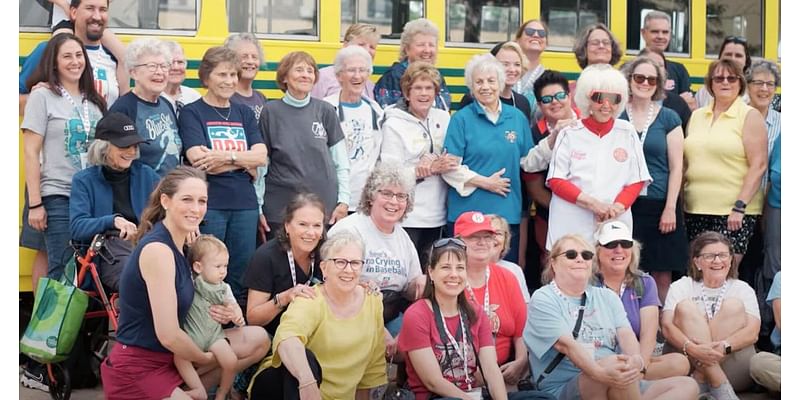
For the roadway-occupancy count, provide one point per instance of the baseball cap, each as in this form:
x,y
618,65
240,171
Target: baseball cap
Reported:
x,y
118,129
471,222
613,230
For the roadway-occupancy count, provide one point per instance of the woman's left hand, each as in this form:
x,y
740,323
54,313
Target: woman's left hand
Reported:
x,y
668,221
338,213
222,314
735,221
513,371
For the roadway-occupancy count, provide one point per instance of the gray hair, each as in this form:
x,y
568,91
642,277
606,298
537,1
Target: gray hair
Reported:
x,y
145,46
600,77
762,65
482,63
235,39
348,52
583,43
97,154
657,15
172,46
340,240
383,175
414,28
630,66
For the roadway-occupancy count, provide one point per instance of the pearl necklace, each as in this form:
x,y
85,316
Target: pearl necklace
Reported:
x,y
650,114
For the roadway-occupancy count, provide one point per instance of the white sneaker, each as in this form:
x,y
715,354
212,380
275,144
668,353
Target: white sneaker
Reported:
x,y
34,376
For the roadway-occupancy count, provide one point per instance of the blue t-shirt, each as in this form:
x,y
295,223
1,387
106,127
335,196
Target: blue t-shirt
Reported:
x,y
774,193
551,316
775,293
202,125
135,311
30,64
655,151
156,123
486,148
633,303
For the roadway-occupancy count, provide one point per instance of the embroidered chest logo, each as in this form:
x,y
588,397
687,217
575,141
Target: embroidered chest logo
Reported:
x,y
511,136
318,130
620,154
577,155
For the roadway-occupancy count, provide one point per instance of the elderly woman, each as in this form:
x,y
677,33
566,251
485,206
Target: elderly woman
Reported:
x,y
598,168
617,266
763,78
597,45
140,365
287,266
574,330
413,137
734,48
359,116
495,291
510,55
656,212
112,194
331,344
532,40
58,125
713,317
725,160
418,42
490,140
305,143
365,36
221,137
176,92
148,61
392,263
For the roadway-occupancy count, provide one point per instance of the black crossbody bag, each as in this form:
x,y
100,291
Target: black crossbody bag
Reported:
x,y
560,356
437,315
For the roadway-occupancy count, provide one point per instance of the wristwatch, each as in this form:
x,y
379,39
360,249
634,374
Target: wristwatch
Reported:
x,y
740,204
233,157
727,346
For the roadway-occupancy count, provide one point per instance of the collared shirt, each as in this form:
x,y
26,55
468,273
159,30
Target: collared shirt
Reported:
x,y
773,121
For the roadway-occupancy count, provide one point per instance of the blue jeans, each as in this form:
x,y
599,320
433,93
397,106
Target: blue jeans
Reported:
x,y
237,229
57,235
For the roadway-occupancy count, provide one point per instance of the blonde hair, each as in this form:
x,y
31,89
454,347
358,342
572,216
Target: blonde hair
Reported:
x,y
513,46
361,30
557,249
204,245
503,228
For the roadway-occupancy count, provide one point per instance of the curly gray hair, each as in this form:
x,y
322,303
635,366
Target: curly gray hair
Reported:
x,y
482,63
413,28
145,46
383,175
762,65
233,41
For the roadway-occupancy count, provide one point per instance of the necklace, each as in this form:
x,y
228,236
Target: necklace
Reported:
x,y
559,293
225,117
650,111
712,307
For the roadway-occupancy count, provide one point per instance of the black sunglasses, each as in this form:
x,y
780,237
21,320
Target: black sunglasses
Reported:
x,y
449,242
729,78
639,78
530,31
573,254
734,39
549,98
626,244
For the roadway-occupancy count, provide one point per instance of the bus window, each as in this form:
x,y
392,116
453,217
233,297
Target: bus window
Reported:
x,y
34,13
179,15
734,18
678,11
388,15
567,18
471,21
274,17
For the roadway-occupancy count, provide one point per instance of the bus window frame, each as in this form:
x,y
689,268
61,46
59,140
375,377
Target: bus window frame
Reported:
x,y
567,50
479,45
285,36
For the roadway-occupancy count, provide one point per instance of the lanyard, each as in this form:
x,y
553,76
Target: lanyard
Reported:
x,y
712,308
459,349
85,119
290,256
485,293
427,134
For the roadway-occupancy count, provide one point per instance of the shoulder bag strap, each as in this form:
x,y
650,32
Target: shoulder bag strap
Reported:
x,y
560,356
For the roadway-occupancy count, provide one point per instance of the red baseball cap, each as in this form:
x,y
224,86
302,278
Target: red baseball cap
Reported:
x,y
471,222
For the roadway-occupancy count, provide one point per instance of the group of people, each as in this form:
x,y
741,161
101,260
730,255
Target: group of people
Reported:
x,y
297,247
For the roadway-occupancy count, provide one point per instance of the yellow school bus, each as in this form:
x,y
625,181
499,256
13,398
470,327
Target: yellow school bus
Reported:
x,y
466,27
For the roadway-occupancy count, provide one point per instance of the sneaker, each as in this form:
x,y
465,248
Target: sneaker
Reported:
x,y
34,376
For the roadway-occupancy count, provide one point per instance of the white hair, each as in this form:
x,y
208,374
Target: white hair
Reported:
x,y
600,77
97,154
413,28
233,41
145,46
483,63
347,53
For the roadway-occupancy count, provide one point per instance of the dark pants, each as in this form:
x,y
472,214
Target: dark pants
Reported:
x,y
279,383
423,239
57,235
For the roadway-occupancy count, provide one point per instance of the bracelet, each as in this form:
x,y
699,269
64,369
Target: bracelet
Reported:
x,y
686,343
35,206
309,383
738,210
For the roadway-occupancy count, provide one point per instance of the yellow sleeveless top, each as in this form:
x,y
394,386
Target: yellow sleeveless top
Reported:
x,y
716,163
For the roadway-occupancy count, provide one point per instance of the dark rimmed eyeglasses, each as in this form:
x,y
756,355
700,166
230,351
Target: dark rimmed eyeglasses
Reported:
x,y
549,98
709,257
729,78
342,263
388,195
602,97
640,79
444,242
530,31
586,255
760,83
626,244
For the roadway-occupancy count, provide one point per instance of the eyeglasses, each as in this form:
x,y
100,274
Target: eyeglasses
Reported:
x,y
709,257
530,31
388,195
354,71
573,254
598,42
549,98
626,244
341,263
444,242
729,78
639,78
152,67
768,84
602,97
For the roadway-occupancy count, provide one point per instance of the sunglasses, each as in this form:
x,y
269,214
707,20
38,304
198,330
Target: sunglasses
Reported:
x,y
530,31
602,97
626,244
549,99
729,78
734,39
573,254
444,242
639,78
